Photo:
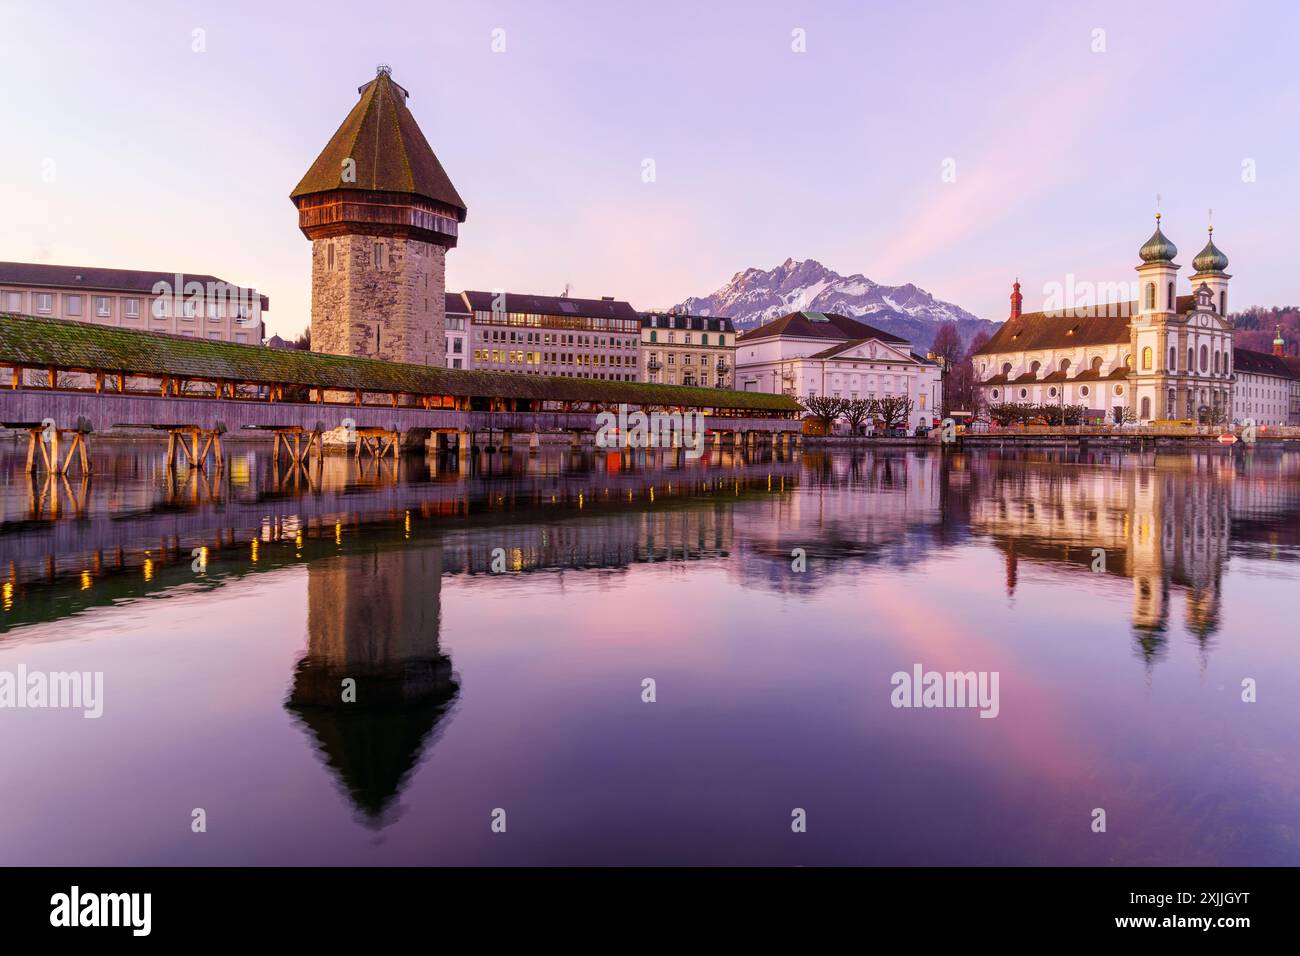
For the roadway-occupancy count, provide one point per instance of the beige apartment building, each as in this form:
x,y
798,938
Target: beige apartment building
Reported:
x,y
201,306
552,335
681,349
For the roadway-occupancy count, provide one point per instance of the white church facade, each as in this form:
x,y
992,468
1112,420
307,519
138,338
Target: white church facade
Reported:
x,y
1163,357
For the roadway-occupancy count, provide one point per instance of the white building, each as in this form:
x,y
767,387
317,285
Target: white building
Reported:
x,y
807,354
1266,389
459,320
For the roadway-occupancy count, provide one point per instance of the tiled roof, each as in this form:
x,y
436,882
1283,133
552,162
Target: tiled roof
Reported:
x,y
389,152
819,325
62,344
92,279
691,323
1099,325
553,305
1261,363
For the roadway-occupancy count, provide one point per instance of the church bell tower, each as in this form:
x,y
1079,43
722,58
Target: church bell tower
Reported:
x,y
381,213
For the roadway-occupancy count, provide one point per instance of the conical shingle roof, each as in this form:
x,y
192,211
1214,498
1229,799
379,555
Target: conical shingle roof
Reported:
x,y
389,152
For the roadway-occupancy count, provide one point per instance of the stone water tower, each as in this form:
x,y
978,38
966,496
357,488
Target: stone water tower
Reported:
x,y
381,213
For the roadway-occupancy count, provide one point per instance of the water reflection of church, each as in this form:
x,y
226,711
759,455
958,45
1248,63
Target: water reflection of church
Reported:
x,y
1166,525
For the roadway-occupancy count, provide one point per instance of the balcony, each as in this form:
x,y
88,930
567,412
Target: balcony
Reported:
x,y
654,365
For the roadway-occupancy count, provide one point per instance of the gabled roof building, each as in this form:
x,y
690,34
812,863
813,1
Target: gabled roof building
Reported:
x,y
807,354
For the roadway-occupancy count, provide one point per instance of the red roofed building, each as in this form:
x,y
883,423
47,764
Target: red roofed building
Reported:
x,y
1161,356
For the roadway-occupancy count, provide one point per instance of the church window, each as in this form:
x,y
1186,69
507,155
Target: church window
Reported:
x,y
1151,295
1205,358
1172,304
1146,359
1083,390
1146,408
1223,302
1173,358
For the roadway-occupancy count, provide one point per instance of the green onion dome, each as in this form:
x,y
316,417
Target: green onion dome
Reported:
x,y
1158,248
1210,259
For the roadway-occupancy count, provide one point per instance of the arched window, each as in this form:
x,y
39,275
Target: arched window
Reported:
x,y
1146,359
1146,408
654,336
1216,362
1223,302
1096,364
1171,304
1151,295
1034,367
1191,359
1205,359
1173,359
1065,365
1006,368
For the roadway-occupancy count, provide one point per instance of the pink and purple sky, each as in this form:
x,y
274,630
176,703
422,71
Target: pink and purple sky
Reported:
x,y
124,147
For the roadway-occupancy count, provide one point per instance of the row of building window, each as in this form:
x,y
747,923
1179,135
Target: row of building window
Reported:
x,y
44,303
687,358
534,320
521,357
704,338
545,338
1208,366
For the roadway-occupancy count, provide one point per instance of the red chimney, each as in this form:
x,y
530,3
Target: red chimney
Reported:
x,y
1016,299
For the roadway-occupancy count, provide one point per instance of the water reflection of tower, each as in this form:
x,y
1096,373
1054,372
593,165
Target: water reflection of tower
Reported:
x,y
374,618
1179,533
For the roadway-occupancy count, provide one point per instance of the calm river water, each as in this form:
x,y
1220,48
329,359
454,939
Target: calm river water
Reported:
x,y
499,625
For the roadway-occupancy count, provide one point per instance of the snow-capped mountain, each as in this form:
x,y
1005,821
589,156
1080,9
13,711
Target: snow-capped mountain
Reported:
x,y
753,297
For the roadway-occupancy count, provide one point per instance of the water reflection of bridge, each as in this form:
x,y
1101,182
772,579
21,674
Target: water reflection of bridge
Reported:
x,y
120,515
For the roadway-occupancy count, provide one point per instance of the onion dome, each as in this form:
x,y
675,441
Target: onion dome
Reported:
x,y
1158,248
1210,259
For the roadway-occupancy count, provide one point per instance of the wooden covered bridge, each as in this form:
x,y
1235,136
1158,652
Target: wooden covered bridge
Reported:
x,y
67,380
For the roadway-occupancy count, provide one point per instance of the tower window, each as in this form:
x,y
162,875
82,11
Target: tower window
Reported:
x,y
329,257
1146,359
381,261
1170,300
1151,295
1223,302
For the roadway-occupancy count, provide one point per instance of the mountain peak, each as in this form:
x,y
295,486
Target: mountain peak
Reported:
x,y
754,296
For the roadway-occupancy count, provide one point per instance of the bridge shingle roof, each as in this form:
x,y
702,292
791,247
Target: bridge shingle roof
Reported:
x,y
86,346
